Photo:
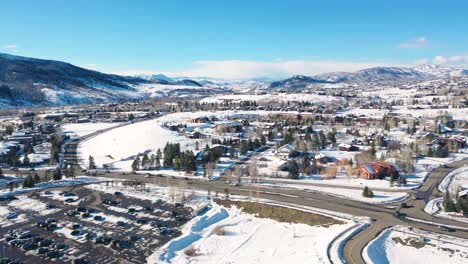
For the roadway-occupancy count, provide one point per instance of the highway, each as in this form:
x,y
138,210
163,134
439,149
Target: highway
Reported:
x,y
383,215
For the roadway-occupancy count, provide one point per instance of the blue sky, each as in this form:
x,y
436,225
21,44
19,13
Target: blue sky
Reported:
x,y
236,39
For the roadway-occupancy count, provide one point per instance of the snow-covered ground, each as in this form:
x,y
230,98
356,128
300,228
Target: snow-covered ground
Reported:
x,y
7,179
380,197
154,193
433,206
400,244
271,97
29,204
248,239
83,129
454,180
8,217
457,113
52,184
119,147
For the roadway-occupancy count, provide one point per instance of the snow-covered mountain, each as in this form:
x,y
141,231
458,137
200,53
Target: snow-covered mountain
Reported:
x,y
28,81
297,82
377,75
163,79
370,77
156,78
441,71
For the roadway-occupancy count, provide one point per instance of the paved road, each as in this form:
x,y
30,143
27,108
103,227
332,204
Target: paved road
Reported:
x,y
382,215
353,249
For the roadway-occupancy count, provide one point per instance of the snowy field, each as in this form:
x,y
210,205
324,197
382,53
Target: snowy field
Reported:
x,y
248,239
399,244
52,184
119,147
83,129
153,193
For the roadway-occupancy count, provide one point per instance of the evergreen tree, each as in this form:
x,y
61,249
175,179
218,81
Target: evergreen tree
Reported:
x,y
244,148
323,139
288,138
29,148
145,161
331,137
459,206
57,175
28,182
232,153
157,163
92,164
305,165
136,164
159,154
367,192
37,179
70,172
430,152
26,162
449,205
293,170
315,142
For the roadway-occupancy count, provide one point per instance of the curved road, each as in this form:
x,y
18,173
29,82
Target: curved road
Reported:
x,y
382,215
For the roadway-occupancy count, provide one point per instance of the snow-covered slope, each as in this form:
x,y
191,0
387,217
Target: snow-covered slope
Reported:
x,y
28,81
377,75
441,71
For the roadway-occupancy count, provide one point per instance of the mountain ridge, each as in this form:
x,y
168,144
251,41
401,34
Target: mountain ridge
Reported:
x,y
28,81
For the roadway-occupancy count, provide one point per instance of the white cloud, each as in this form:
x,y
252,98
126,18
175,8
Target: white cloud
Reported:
x,y
458,60
239,69
439,60
414,43
10,48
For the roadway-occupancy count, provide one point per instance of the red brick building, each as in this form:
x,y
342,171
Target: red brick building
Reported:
x,y
378,170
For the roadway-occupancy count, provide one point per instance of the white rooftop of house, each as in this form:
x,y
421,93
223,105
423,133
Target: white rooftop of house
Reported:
x,y
219,145
320,155
230,123
344,145
5,146
287,147
462,193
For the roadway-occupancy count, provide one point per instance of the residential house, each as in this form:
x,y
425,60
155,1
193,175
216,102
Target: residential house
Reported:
x,y
286,151
378,170
348,147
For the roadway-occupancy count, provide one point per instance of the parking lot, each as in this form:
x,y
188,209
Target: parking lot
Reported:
x,y
81,225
